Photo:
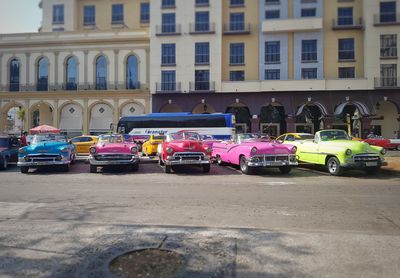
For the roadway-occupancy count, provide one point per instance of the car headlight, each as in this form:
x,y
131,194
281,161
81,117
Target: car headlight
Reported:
x,y
21,151
348,152
64,150
294,149
383,151
208,149
134,150
92,150
253,150
169,150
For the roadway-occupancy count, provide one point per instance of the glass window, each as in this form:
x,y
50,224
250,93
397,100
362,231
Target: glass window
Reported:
x,y
58,14
167,3
202,80
132,73
237,2
309,73
43,75
272,52
237,75
168,23
89,15
309,51
236,54
388,46
72,74
14,75
345,16
168,54
388,11
236,22
117,13
272,74
309,12
202,53
144,12
202,21
346,49
389,75
101,73
347,72
271,14
272,2
168,82
202,2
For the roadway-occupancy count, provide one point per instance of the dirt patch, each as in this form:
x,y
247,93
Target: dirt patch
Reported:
x,y
153,263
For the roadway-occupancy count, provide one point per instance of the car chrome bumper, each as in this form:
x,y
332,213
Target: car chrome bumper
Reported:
x,y
364,160
271,161
93,161
187,162
42,163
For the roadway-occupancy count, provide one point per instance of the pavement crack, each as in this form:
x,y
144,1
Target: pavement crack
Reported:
x,y
162,242
390,221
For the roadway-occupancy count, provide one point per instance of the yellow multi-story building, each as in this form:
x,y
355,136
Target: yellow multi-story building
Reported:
x,y
278,65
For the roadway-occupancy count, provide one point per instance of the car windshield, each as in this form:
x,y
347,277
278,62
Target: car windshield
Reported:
x,y
304,137
243,137
3,142
185,136
111,138
329,135
207,137
48,137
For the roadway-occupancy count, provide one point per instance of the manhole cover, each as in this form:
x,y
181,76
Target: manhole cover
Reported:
x,y
147,263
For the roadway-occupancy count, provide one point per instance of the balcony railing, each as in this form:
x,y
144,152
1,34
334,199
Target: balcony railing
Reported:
x,y
202,28
70,86
235,28
202,86
347,23
386,19
168,87
168,29
387,82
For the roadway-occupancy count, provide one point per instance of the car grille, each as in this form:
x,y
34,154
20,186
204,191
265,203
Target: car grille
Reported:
x,y
273,158
43,157
113,157
189,156
366,157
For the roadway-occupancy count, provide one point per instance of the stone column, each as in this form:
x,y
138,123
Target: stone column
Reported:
x,y
365,126
328,122
116,115
116,54
85,65
56,55
255,125
55,114
85,117
290,123
28,65
1,73
28,116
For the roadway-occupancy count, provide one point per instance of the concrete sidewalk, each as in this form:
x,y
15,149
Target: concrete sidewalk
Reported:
x,y
74,249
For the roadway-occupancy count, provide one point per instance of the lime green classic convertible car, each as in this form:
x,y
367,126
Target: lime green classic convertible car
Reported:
x,y
335,149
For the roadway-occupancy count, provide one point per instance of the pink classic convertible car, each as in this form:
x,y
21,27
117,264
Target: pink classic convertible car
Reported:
x,y
255,150
113,150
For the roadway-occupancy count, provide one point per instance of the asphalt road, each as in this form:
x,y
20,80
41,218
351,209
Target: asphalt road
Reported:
x,y
305,224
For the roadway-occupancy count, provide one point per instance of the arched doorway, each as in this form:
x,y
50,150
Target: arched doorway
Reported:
x,y
170,108
101,118
41,114
11,121
71,120
272,119
242,117
386,122
348,117
132,109
203,108
309,118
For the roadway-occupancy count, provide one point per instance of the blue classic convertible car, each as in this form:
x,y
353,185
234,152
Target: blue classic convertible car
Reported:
x,y
47,150
8,151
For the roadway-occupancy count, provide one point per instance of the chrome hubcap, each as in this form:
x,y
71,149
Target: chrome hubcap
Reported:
x,y
243,165
332,166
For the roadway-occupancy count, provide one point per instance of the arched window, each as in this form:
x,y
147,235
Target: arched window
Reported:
x,y
14,75
43,75
132,73
101,73
72,73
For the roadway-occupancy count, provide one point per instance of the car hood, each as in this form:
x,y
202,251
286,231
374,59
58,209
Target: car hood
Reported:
x,y
269,147
46,146
115,147
187,145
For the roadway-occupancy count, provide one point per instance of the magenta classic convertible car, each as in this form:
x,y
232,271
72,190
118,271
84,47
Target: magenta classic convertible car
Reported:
x,y
113,150
251,151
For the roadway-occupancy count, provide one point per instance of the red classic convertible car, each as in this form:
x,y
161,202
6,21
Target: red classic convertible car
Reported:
x,y
184,148
382,142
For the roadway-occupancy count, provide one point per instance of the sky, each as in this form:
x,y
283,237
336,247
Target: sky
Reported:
x,y
19,16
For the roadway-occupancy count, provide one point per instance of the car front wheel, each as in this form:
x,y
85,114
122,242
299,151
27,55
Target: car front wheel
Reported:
x,y
334,167
4,164
206,168
167,169
285,169
93,169
24,169
244,167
